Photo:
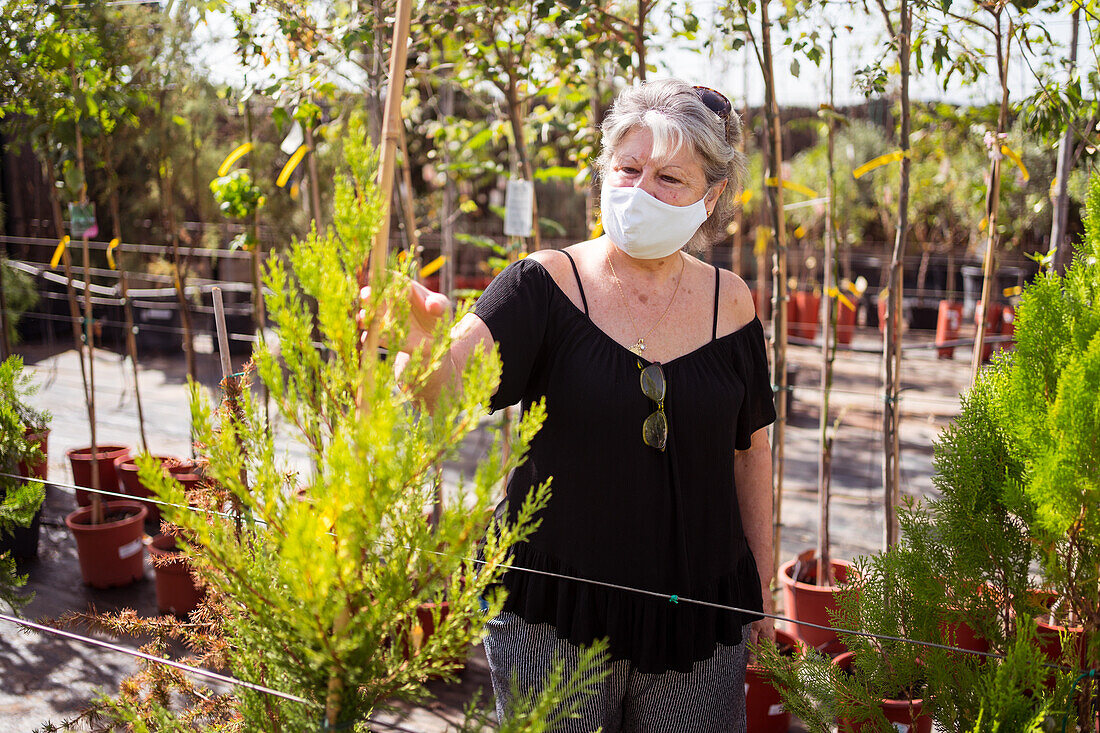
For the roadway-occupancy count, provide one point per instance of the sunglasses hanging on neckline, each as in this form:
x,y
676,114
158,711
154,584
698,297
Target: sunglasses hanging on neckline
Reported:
x,y
655,427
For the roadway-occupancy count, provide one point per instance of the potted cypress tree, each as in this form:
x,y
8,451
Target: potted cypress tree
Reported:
x,y
20,500
1007,558
315,581
23,449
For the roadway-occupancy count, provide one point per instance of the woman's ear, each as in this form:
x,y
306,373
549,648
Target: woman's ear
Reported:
x,y
715,193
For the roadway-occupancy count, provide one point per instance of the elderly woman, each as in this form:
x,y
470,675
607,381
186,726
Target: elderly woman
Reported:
x,y
653,368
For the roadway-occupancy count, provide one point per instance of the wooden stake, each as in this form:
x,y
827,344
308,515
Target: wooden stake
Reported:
x,y
131,346
828,346
779,280
223,337
391,138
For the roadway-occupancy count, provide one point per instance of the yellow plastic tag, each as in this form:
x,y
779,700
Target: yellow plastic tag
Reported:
x,y
58,251
237,154
763,236
1015,158
879,162
792,186
432,267
284,174
111,253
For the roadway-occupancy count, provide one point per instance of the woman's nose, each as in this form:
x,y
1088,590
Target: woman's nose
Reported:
x,y
647,182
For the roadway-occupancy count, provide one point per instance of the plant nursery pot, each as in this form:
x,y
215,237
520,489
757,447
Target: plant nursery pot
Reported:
x,y
80,459
904,716
804,313
962,635
111,554
1049,634
426,625
845,323
177,592
22,542
994,318
126,468
948,320
764,709
812,603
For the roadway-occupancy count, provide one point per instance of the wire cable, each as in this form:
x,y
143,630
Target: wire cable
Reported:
x,y
670,597
197,671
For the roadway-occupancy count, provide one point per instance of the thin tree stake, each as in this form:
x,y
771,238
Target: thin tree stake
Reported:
x,y
131,346
229,385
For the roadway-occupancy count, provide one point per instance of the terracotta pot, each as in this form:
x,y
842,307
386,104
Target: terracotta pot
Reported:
x,y
882,305
112,553
845,323
81,461
22,542
994,318
963,636
904,716
948,321
1008,328
812,603
804,313
763,706
1049,634
177,591
126,468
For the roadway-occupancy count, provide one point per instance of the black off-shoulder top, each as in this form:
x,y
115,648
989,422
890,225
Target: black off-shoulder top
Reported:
x,y
620,511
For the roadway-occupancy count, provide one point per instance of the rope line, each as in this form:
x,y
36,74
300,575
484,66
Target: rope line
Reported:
x,y
669,597
198,671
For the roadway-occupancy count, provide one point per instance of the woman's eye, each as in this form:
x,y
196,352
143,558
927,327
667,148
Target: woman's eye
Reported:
x,y
670,179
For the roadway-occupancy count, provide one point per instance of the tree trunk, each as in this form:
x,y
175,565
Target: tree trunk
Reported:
x,y
779,277
828,348
447,274
1059,245
891,412
992,205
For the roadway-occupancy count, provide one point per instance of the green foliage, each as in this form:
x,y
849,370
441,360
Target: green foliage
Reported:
x,y
20,296
331,584
236,195
1018,493
19,500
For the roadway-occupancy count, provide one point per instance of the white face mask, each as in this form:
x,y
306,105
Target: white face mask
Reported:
x,y
645,227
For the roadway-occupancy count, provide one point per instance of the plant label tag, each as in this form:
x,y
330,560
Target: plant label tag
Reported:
x,y
129,549
519,198
901,727
776,709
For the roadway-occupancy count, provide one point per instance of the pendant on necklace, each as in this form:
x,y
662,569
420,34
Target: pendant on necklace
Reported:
x,y
638,347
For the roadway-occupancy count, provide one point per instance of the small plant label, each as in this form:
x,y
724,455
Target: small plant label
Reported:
x,y
901,727
129,549
519,197
776,709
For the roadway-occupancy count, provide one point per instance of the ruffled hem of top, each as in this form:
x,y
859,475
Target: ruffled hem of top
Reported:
x,y
655,634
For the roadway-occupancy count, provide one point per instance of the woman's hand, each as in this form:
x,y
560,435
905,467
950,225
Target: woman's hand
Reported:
x,y
426,307
765,627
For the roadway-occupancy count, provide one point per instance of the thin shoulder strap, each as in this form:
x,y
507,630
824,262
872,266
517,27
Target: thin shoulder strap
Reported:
x,y
714,330
577,274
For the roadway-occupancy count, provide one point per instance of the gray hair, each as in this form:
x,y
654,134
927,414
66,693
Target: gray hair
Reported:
x,y
674,113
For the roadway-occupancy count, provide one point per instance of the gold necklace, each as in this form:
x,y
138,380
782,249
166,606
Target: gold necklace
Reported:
x,y
639,346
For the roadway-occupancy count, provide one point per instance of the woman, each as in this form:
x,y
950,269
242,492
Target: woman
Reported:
x,y
666,487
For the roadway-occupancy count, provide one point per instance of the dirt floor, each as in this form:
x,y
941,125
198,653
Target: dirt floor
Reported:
x,y
45,678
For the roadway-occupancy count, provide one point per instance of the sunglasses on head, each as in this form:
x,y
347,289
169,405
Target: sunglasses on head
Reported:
x,y
716,102
655,427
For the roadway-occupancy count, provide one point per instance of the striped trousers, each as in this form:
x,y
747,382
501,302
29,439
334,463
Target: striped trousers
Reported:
x,y
709,699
